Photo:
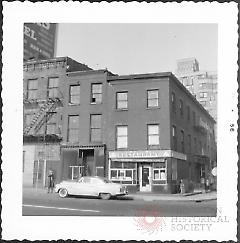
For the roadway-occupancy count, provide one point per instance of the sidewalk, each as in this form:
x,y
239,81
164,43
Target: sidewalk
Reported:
x,y
197,196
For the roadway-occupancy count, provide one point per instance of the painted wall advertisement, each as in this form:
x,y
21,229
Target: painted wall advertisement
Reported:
x,y
39,40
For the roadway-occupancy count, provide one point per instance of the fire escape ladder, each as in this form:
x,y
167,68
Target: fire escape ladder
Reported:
x,y
42,116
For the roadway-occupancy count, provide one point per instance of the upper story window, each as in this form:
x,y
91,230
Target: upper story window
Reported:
x,y
173,100
28,119
52,124
181,107
74,94
203,94
153,135
188,113
96,128
194,118
53,87
96,93
182,142
73,128
195,145
32,89
174,136
122,100
152,98
189,143
122,137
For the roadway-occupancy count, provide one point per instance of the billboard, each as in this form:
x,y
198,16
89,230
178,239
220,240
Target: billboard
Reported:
x,y
39,40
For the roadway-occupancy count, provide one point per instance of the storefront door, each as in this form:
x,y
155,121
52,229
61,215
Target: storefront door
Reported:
x,y
145,178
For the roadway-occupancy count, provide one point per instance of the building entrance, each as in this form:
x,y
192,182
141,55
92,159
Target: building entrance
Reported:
x,y
145,178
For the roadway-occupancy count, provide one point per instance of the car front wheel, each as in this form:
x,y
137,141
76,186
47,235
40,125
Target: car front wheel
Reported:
x,y
105,196
63,192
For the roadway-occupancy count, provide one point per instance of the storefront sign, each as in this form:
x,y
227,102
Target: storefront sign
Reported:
x,y
138,160
147,154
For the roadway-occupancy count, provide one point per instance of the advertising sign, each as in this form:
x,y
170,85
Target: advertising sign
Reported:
x,y
39,40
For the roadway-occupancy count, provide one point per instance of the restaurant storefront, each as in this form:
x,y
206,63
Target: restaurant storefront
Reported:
x,y
148,170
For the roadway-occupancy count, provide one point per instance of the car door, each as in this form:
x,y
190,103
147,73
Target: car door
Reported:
x,y
83,186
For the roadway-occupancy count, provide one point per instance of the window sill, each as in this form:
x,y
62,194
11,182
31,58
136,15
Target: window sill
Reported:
x,y
121,109
70,104
94,103
153,108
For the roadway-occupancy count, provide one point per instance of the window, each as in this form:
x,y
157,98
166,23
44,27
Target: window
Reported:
x,y
122,100
152,98
195,145
173,102
53,87
188,113
189,143
181,107
159,171
194,118
182,142
74,94
203,94
153,135
122,137
96,90
28,119
124,172
174,136
96,128
52,123
32,89
73,128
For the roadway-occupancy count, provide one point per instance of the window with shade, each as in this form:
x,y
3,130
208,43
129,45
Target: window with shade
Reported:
x,y
74,94
182,142
152,98
96,128
53,87
122,100
181,107
122,137
51,127
96,93
153,135
174,137
73,128
173,99
32,89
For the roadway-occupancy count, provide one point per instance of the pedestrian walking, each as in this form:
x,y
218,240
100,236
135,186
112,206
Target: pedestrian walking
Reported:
x,y
51,180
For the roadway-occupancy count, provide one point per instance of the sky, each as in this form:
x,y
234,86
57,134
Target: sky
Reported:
x,y
138,48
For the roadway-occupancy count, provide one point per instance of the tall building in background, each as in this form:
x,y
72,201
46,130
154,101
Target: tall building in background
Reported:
x,y
39,40
202,84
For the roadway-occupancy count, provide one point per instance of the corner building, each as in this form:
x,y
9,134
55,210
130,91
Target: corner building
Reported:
x,y
145,131
157,133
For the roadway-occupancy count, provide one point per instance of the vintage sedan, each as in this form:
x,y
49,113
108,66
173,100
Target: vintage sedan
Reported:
x,y
91,186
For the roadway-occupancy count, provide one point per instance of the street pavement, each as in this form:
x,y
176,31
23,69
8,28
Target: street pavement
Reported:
x,y
39,203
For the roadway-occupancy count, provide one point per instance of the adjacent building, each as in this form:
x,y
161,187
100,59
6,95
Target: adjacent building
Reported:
x,y
202,84
146,131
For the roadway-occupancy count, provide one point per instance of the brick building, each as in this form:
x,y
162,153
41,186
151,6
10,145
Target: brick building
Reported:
x,y
146,131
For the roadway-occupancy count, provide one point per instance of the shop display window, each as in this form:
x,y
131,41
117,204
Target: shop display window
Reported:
x,y
123,172
159,174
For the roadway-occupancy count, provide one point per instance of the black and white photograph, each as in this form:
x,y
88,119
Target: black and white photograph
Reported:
x,y
136,139
122,123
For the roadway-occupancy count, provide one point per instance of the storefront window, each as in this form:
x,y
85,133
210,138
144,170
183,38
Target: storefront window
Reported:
x,y
124,172
159,171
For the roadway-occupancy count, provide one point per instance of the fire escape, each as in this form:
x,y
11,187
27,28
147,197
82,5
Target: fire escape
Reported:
x,y
42,116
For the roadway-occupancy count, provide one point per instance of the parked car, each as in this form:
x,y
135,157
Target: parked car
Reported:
x,y
91,186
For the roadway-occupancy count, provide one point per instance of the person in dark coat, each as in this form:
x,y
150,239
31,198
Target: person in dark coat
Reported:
x,y
51,180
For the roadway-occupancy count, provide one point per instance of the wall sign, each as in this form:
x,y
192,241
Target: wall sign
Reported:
x,y
147,154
